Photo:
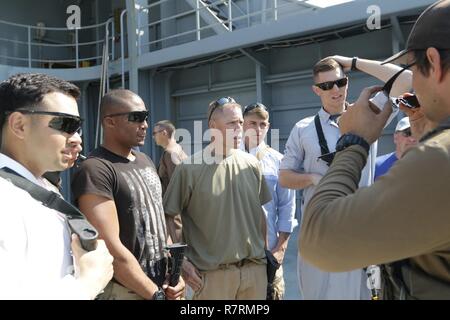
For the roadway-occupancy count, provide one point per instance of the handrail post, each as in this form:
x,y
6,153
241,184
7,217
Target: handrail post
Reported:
x,y
122,49
248,14
138,28
113,37
197,19
29,46
76,47
275,10
230,18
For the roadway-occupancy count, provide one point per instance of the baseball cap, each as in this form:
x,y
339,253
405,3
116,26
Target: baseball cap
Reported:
x,y
430,30
402,124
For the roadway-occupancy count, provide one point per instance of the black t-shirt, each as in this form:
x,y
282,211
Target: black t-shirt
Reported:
x,y
136,190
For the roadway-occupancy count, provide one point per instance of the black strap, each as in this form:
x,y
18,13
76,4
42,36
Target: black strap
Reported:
x,y
322,141
53,200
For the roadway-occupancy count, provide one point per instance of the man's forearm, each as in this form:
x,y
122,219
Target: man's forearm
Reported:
x,y
319,241
282,242
385,72
129,273
294,180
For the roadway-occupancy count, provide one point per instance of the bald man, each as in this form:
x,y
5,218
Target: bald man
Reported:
x,y
119,191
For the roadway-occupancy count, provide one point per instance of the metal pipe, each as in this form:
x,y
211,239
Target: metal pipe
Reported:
x,y
76,48
122,49
197,19
275,9
29,47
230,16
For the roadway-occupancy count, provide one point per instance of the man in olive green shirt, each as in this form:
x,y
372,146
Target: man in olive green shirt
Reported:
x,y
219,192
403,219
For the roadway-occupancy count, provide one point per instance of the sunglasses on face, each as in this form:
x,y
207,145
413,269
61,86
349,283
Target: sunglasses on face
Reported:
x,y
133,116
405,133
218,103
408,101
330,84
63,122
253,106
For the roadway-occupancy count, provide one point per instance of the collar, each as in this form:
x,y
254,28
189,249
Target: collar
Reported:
x,y
12,164
257,149
443,126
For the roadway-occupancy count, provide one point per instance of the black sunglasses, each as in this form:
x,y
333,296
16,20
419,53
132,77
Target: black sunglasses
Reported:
x,y
406,132
408,101
220,102
133,116
253,106
63,122
330,84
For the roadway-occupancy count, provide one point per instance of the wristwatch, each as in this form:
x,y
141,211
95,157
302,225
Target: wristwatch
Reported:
x,y
159,295
350,139
353,68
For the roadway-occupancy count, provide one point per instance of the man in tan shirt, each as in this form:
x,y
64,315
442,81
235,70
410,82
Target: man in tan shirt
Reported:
x,y
403,219
219,192
164,135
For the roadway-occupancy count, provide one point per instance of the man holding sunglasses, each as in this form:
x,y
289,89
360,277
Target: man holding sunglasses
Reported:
x,y
309,153
403,141
40,125
402,220
119,191
219,193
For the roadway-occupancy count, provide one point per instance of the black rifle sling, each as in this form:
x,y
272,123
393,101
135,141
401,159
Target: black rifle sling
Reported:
x,y
50,199
322,141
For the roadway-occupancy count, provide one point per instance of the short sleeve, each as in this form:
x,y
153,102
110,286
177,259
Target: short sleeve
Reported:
x,y
178,191
93,177
294,153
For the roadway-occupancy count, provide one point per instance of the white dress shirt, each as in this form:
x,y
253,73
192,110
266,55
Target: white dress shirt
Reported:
x,y
35,257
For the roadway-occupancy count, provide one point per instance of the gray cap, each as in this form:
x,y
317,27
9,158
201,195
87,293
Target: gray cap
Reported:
x,y
431,29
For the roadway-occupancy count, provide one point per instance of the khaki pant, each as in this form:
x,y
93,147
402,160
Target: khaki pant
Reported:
x,y
278,284
246,282
115,291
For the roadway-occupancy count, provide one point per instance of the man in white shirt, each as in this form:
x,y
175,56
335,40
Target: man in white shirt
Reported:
x,y
302,167
39,123
280,211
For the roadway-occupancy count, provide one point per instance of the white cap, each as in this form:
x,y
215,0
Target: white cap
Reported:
x,y
402,124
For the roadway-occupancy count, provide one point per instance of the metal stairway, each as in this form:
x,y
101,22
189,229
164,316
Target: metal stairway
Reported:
x,y
212,13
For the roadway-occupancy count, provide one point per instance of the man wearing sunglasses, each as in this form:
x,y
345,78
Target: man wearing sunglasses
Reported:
x,y
280,211
219,193
119,191
309,152
39,122
402,221
403,141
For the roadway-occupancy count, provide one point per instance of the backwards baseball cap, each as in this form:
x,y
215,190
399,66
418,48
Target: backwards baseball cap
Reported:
x,y
402,124
430,30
